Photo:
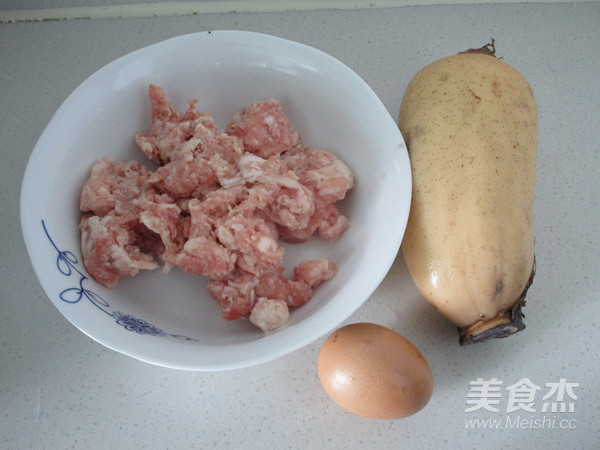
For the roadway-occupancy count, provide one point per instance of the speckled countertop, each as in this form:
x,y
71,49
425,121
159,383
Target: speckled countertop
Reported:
x,y
60,389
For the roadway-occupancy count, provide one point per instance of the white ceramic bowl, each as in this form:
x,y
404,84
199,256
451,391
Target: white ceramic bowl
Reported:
x,y
169,319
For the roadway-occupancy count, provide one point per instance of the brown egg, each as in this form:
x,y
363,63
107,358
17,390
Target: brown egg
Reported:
x,y
372,371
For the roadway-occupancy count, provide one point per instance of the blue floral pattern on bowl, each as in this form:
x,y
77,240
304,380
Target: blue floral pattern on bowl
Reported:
x,y
67,264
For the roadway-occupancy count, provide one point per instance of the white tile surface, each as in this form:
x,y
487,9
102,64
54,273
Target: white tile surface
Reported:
x,y
59,389
43,10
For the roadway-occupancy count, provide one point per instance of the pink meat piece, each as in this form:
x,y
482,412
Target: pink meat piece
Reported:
x,y
206,213
201,221
329,179
253,169
205,256
297,291
169,129
292,207
256,246
235,295
185,178
163,217
112,186
227,147
202,253
120,237
269,314
110,249
223,154
216,206
321,171
198,162
316,271
264,129
273,284
332,223
280,194
326,220
203,169
255,200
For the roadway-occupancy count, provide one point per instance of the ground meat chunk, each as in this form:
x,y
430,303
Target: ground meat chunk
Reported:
x,y
329,179
160,215
326,220
277,191
198,166
205,256
315,272
253,241
264,129
297,291
169,130
110,249
112,186
269,314
217,204
321,171
235,294
238,293
274,284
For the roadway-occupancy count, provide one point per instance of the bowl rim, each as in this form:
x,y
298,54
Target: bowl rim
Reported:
x,y
300,339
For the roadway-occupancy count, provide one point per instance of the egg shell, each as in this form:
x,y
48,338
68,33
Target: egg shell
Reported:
x,y
374,372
